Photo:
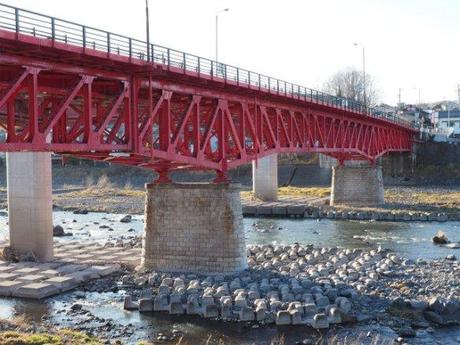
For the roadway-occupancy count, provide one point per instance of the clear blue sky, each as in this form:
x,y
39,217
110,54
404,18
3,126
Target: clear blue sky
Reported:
x,y
410,44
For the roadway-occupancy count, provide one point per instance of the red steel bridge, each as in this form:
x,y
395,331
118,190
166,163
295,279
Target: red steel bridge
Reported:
x,y
73,89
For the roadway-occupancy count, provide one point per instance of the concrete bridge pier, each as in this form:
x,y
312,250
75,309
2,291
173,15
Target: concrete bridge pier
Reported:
x,y
357,183
194,227
265,178
30,204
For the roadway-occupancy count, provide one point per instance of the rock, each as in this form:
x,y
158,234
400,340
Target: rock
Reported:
x,y
126,219
80,211
28,256
455,245
58,231
77,306
406,332
435,304
9,254
451,257
440,238
433,317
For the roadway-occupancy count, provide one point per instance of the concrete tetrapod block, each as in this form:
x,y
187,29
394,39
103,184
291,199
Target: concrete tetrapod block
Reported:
x,y
246,314
129,304
210,311
176,308
283,317
145,305
8,286
161,303
63,283
320,321
36,291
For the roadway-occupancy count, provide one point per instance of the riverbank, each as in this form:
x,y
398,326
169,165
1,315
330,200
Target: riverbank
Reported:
x,y
402,203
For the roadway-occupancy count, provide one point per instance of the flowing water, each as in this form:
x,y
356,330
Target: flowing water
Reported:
x,y
411,240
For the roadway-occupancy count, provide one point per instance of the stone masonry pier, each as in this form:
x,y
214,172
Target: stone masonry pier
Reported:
x,y
194,227
357,185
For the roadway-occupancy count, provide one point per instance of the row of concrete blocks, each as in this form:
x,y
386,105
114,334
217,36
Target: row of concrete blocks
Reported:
x,y
296,314
380,216
306,212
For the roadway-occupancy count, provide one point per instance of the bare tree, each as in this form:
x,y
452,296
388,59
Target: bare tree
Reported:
x,y
348,83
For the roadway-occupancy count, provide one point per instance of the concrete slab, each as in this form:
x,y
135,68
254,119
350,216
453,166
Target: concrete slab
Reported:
x,y
36,290
27,270
63,283
105,270
8,286
31,278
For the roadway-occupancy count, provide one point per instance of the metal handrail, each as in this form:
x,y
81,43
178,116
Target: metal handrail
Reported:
x,y
43,26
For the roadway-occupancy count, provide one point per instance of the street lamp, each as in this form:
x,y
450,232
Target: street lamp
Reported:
x,y
364,72
147,28
217,31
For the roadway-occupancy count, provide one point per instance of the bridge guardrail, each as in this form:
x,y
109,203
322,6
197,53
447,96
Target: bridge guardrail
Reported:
x,y
47,27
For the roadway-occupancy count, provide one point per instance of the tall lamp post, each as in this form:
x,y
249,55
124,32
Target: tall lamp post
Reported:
x,y
217,31
147,28
364,72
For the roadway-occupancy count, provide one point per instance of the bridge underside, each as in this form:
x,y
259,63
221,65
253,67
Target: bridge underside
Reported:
x,y
157,118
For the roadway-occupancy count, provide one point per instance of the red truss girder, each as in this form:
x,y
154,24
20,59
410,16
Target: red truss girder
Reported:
x,y
147,121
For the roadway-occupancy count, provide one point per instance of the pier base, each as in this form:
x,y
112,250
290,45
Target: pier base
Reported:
x,y
30,204
265,178
194,227
357,185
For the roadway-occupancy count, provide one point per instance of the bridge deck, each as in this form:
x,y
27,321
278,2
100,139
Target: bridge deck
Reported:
x,y
74,89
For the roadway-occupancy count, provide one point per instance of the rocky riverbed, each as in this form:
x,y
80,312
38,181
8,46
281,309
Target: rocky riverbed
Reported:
x,y
316,287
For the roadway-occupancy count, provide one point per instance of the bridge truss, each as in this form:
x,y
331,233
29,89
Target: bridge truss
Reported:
x,y
116,99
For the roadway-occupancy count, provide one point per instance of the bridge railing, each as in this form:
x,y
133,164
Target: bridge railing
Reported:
x,y
63,31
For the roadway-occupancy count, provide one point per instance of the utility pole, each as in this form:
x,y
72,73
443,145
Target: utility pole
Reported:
x,y
458,92
399,96
147,28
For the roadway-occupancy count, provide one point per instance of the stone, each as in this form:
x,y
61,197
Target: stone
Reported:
x,y
58,231
406,332
440,238
435,304
344,304
433,317
126,219
320,321
283,317
35,291
145,305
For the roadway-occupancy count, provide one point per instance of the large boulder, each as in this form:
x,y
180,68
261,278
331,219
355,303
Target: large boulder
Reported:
x,y
58,231
440,238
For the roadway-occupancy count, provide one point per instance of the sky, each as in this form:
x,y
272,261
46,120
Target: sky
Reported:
x,y
410,45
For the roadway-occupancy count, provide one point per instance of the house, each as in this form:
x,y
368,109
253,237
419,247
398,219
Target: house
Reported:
x,y
447,120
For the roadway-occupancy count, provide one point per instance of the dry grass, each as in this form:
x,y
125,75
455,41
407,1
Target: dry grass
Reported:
x,y
319,192
61,337
444,199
